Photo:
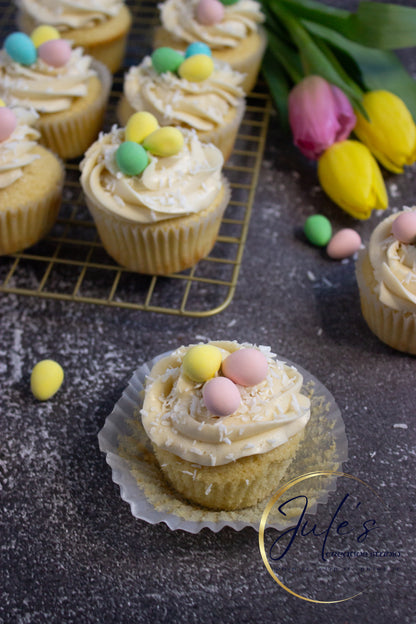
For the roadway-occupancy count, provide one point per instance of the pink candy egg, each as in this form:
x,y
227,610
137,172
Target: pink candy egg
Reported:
x,y
209,12
221,396
343,244
55,52
404,227
246,367
8,122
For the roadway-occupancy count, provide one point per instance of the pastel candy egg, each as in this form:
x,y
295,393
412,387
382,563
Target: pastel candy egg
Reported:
x,y
221,396
166,141
209,12
197,47
202,362
131,158
404,227
2,103
140,125
46,379
246,367
55,52
8,122
196,68
20,48
166,59
318,230
229,2
44,33
343,244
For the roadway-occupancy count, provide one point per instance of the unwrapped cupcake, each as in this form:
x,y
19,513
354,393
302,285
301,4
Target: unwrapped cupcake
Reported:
x,y
31,181
386,276
232,29
100,27
68,90
190,90
157,195
225,420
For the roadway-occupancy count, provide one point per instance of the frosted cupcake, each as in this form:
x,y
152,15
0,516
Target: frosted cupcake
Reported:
x,y
100,27
225,421
31,180
386,275
233,31
191,91
157,195
68,90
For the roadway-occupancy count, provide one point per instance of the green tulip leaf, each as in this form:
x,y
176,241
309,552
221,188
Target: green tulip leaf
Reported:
x,y
279,86
383,26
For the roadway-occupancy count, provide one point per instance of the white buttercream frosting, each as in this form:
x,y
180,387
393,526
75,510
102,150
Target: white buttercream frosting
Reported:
x,y
176,419
45,88
16,152
201,105
71,14
394,267
240,20
169,187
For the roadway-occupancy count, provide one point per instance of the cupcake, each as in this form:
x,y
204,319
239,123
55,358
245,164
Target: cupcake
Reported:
x,y
386,276
31,181
99,27
225,421
68,90
191,91
233,31
157,195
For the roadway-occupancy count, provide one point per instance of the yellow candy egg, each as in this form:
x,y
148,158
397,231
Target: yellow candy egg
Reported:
x,y
44,33
2,103
202,362
46,379
196,68
139,126
165,141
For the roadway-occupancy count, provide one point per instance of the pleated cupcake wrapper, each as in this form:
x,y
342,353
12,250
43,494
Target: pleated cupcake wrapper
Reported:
x,y
71,136
396,329
159,248
23,227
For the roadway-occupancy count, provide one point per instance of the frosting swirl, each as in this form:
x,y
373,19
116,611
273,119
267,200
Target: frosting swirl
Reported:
x,y
201,105
394,266
71,14
45,88
17,151
240,20
185,183
176,419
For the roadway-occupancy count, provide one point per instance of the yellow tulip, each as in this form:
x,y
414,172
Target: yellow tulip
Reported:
x,y
390,132
351,177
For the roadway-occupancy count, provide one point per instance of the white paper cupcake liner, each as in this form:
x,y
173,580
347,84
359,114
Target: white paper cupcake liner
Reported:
x,y
143,486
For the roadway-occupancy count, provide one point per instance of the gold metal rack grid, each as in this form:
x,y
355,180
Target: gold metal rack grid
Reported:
x,y
71,264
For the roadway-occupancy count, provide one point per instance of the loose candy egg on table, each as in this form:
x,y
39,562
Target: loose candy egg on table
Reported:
x,y
166,141
140,125
196,68
166,59
20,48
404,227
318,230
202,362
131,158
8,122
46,379
44,33
2,103
221,396
55,52
209,12
343,244
246,367
197,47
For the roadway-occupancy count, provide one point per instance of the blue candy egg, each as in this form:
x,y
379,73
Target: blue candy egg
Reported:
x,y
197,48
20,48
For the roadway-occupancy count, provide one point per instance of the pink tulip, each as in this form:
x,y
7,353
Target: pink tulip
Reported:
x,y
320,114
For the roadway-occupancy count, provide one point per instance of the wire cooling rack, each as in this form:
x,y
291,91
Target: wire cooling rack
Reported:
x,y
71,264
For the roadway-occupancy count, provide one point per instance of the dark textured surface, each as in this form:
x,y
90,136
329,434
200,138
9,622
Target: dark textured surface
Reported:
x,y
71,550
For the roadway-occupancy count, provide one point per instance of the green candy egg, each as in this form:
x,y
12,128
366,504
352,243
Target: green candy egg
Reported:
x,y
166,59
228,2
131,158
318,230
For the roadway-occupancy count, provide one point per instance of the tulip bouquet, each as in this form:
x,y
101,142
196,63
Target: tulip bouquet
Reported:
x,y
349,101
